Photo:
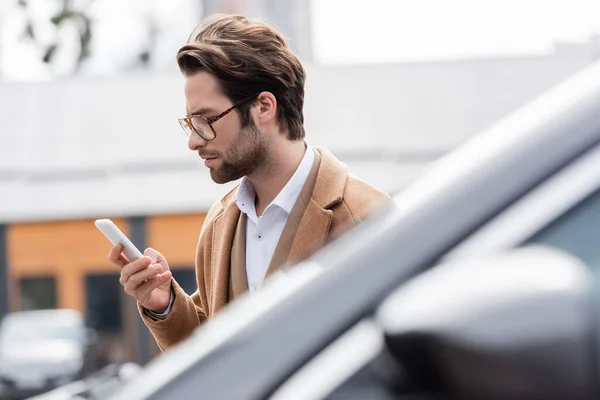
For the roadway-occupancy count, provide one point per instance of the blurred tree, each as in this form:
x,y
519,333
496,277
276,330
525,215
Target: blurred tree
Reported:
x,y
68,14
144,57
75,16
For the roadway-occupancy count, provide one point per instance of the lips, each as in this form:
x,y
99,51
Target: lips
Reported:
x,y
210,161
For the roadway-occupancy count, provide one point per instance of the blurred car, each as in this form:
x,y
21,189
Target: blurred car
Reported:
x,y
391,311
333,327
329,328
44,349
97,386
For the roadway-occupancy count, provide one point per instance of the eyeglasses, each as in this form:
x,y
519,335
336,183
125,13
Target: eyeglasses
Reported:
x,y
203,126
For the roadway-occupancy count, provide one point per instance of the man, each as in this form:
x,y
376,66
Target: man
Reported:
x,y
244,93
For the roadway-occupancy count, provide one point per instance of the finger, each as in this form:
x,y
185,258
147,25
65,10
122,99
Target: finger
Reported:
x,y
143,291
134,267
137,279
116,257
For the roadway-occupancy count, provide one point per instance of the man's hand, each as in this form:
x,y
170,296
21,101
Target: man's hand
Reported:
x,y
147,279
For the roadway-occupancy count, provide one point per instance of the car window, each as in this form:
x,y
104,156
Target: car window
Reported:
x,y
576,232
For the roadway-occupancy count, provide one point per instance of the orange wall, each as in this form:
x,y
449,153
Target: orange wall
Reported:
x,y
66,249
175,237
69,250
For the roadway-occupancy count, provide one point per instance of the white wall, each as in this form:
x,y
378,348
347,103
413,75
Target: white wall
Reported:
x,y
85,148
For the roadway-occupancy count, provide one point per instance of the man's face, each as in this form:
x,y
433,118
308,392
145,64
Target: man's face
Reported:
x,y
236,151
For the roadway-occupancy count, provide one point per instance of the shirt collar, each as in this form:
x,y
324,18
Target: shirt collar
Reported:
x,y
245,198
290,192
287,196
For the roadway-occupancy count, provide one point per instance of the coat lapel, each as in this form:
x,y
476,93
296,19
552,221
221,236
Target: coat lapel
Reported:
x,y
238,280
221,246
290,230
313,230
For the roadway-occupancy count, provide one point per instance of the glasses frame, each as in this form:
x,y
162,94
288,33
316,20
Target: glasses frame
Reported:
x,y
187,121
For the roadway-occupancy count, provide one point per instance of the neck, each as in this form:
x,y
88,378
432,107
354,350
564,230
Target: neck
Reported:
x,y
284,160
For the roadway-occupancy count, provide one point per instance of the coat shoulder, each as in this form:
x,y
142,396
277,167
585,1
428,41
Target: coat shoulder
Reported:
x,y
362,199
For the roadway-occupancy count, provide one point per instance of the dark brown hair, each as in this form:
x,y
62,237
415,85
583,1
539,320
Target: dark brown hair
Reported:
x,y
248,57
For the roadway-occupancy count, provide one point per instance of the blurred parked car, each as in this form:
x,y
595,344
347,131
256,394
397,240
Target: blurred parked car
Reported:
x,y
97,386
41,350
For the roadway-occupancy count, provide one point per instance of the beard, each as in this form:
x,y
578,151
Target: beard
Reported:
x,y
248,154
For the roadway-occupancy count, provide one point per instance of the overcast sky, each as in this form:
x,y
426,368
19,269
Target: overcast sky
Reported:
x,y
344,31
418,30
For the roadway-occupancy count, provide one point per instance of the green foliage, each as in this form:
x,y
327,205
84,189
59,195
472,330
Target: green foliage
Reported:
x,y
73,13
66,15
50,51
29,33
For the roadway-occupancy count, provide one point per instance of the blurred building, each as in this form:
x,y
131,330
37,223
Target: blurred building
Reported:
x,y
75,150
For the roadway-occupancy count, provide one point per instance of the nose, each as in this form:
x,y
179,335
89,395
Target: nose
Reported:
x,y
195,142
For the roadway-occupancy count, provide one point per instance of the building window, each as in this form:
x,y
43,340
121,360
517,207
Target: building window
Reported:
x,y
186,278
103,302
38,293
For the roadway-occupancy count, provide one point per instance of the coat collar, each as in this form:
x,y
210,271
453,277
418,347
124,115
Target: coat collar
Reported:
x,y
331,180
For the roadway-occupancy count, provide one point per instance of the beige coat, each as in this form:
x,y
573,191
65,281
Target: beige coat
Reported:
x,y
331,201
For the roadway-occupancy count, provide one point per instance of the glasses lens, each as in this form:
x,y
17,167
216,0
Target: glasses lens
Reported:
x,y
185,126
203,129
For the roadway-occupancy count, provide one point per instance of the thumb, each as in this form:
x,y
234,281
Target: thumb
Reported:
x,y
155,256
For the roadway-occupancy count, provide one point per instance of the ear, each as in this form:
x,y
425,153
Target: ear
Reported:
x,y
267,108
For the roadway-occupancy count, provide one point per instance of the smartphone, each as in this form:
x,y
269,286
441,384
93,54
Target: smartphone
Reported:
x,y
115,236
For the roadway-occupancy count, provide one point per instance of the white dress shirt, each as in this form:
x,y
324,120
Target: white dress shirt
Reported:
x,y
263,233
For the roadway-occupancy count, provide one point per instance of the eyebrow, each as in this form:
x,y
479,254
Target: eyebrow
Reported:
x,y
202,111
